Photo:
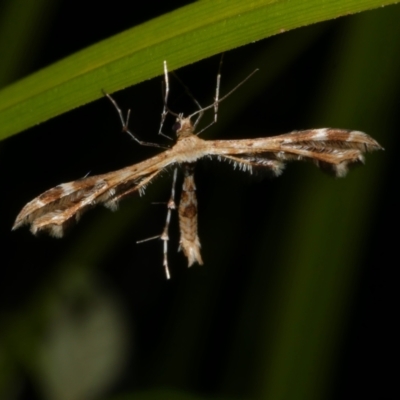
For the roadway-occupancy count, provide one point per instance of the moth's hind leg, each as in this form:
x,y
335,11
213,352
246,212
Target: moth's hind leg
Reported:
x,y
171,205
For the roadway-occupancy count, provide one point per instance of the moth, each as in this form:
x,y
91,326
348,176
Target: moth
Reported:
x,y
56,209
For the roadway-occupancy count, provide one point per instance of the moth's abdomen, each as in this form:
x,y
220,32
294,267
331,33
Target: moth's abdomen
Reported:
x,y
189,241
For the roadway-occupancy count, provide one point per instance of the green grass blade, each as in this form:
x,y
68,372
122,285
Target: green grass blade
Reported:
x,y
181,37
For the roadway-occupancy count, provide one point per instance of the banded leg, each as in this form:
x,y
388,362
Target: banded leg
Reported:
x,y
165,234
165,108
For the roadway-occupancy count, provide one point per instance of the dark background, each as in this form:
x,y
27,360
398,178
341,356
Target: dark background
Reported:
x,y
296,295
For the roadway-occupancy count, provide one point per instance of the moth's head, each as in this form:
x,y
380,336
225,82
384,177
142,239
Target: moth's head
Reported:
x,y
183,126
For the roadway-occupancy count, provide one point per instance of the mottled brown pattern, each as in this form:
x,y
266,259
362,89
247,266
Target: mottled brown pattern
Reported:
x,y
334,150
187,212
190,210
47,196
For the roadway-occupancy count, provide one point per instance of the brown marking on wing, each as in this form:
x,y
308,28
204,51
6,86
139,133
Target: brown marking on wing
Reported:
x,y
331,149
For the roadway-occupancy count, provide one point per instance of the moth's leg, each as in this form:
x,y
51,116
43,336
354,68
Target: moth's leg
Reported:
x,y
216,98
125,122
171,205
216,101
165,108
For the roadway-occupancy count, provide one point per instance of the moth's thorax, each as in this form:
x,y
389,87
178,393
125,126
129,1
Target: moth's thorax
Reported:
x,y
184,127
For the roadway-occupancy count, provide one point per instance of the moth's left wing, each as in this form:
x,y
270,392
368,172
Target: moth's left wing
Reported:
x,y
334,150
56,209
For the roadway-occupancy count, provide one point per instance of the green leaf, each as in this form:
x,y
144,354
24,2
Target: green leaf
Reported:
x,y
181,37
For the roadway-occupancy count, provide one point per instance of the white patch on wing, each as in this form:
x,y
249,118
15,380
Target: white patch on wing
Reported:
x,y
38,203
355,136
69,187
321,134
287,141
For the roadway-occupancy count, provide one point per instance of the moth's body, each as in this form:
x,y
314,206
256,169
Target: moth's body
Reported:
x,y
187,213
56,209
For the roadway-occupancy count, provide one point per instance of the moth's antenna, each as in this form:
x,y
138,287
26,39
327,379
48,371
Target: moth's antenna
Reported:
x,y
125,122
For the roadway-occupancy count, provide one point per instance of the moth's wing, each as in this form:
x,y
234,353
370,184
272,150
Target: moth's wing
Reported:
x,y
334,150
248,162
56,209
